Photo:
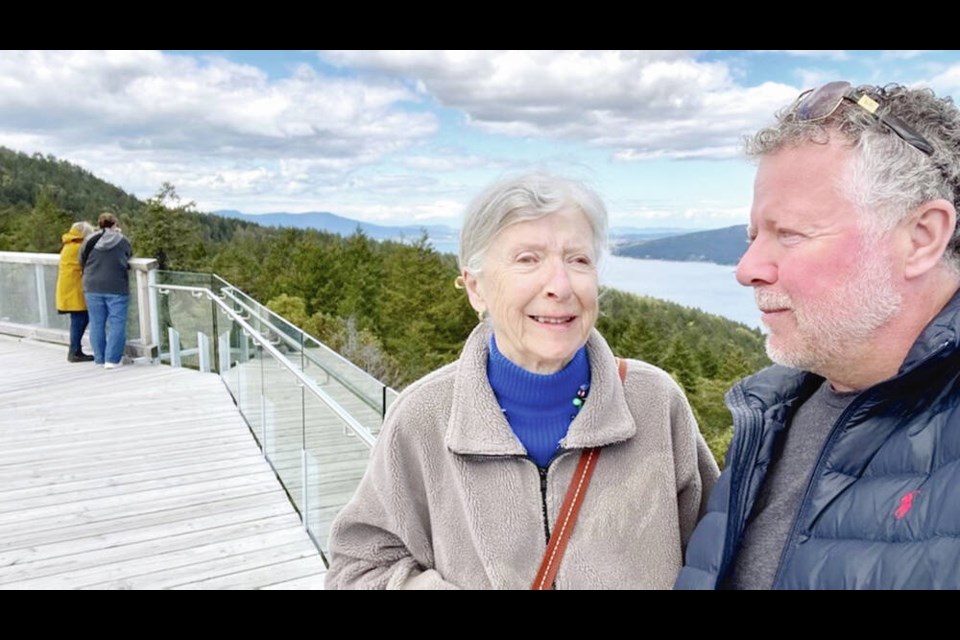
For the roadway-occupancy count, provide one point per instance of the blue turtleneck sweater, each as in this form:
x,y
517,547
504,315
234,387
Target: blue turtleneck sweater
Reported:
x,y
538,407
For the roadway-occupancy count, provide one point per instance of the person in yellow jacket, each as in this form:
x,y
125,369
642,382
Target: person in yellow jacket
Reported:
x,y
70,288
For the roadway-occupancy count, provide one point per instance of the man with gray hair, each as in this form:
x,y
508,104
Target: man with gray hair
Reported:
x,y
844,469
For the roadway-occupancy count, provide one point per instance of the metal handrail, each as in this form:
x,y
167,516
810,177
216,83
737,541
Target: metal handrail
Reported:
x,y
292,342
233,291
316,341
362,432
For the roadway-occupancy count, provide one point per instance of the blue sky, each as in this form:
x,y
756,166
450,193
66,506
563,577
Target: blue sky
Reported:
x,y
408,137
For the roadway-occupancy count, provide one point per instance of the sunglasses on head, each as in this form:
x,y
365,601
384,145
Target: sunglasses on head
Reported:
x,y
817,104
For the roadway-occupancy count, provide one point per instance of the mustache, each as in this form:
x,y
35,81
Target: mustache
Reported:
x,y
769,300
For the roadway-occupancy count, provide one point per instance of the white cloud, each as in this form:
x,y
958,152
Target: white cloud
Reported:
x,y
703,213
143,117
450,162
831,54
149,100
945,83
907,54
810,78
642,104
367,141
420,212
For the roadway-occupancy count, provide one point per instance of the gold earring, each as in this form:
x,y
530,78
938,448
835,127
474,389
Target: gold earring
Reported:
x,y
458,283
482,315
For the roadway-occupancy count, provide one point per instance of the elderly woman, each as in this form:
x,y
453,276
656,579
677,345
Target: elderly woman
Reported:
x,y
69,296
467,482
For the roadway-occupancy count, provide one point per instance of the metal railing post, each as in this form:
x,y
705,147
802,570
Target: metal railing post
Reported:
x,y
263,414
303,474
224,341
203,351
174,338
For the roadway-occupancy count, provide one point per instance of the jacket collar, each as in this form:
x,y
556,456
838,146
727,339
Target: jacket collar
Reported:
x,y
942,331
477,425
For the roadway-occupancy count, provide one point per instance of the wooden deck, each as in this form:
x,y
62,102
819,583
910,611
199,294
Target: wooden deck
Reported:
x,y
143,477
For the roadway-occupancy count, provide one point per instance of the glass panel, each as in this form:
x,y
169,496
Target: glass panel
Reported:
x,y
133,310
391,396
188,314
18,302
340,383
184,278
283,401
355,386
335,464
250,384
228,353
289,338
54,320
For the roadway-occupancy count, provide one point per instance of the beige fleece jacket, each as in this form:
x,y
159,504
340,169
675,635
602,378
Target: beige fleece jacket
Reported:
x,y
450,500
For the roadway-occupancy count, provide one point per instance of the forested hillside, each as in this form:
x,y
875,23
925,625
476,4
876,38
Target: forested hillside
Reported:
x,y
721,246
389,307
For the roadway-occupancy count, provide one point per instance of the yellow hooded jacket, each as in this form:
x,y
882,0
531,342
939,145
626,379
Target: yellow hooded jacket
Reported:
x,y
69,277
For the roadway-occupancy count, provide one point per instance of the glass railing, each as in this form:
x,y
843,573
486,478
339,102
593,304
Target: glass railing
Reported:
x,y
28,287
365,397
313,413
299,414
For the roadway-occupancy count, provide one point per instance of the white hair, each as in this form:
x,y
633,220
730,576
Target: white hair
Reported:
x,y
527,196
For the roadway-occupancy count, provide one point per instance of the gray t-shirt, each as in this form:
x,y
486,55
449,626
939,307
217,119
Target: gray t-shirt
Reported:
x,y
779,499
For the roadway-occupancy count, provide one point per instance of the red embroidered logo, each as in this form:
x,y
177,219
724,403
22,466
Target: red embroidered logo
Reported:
x,y
906,502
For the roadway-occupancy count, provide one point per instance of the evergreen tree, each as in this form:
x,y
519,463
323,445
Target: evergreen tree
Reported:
x,y
166,233
682,364
43,228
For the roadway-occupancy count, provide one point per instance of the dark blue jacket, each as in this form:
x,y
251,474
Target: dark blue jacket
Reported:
x,y
882,506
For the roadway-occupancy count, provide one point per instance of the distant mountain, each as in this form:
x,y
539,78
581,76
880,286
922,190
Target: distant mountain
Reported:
x,y
623,234
333,223
722,246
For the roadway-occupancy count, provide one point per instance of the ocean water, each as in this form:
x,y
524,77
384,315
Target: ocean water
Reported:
x,y
709,287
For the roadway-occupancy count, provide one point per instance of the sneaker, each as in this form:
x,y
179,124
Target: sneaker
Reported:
x,y
80,356
112,365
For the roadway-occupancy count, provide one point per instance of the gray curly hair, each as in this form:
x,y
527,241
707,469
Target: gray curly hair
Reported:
x,y
889,177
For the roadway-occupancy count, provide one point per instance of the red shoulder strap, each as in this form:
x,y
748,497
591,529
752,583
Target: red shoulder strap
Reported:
x,y
564,524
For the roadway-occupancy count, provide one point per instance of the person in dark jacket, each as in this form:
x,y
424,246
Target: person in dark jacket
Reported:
x,y
844,469
105,260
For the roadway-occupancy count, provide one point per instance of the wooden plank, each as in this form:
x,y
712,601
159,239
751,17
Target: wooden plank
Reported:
x,y
84,571
34,549
307,583
52,532
191,575
259,577
143,477
108,487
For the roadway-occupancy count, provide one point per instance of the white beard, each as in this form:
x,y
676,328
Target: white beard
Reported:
x,y
829,330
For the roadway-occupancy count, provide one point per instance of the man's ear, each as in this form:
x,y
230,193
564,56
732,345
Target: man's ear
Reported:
x,y
472,284
930,228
